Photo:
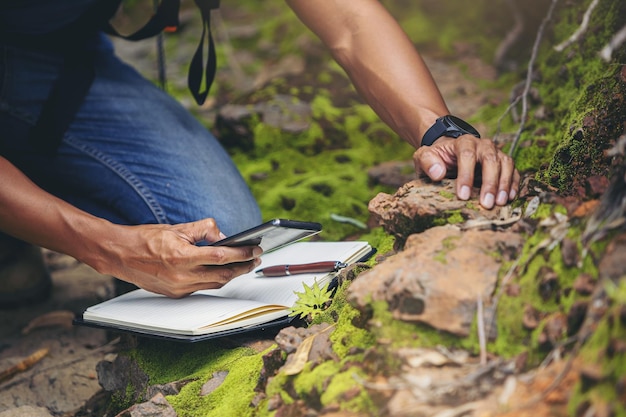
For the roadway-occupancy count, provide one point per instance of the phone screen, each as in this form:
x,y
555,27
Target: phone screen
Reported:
x,y
272,235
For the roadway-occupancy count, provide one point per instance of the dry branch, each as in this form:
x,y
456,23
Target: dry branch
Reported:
x,y
529,76
581,29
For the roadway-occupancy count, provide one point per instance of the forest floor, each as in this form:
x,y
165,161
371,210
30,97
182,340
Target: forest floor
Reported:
x,y
65,378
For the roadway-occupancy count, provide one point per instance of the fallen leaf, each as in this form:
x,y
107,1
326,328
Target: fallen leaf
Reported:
x,y
62,318
295,363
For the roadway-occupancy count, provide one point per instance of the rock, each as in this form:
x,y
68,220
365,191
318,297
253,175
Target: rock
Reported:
x,y
212,384
584,284
438,277
156,407
26,411
417,206
118,375
290,338
234,121
612,265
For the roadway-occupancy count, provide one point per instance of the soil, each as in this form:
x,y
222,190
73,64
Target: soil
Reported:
x,y
64,379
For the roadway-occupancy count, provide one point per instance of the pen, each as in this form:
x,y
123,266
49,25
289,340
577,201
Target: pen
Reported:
x,y
283,270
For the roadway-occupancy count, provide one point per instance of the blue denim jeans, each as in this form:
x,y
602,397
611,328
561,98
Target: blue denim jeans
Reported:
x,y
132,155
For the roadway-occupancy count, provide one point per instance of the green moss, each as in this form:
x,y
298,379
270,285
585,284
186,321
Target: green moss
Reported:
x,y
585,96
455,217
600,352
447,194
232,397
447,245
380,240
166,362
403,334
346,336
344,382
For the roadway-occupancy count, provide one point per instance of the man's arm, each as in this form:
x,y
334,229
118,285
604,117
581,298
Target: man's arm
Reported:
x,y
391,76
159,258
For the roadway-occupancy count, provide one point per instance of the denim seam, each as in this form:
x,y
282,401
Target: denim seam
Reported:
x,y
125,174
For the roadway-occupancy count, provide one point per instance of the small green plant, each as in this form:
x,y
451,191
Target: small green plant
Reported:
x,y
311,302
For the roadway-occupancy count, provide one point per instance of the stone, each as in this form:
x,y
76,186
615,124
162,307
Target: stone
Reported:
x,y
212,384
157,406
418,204
118,375
439,276
612,265
290,338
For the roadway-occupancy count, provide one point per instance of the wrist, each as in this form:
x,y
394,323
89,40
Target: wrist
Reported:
x,y
448,126
96,242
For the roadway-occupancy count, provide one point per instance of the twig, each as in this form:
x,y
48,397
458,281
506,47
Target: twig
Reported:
x,y
581,29
23,365
64,364
512,36
529,76
616,41
482,339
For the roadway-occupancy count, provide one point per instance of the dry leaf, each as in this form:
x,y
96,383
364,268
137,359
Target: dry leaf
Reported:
x,y
300,357
54,318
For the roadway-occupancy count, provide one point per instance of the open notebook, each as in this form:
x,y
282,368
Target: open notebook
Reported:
x,y
247,302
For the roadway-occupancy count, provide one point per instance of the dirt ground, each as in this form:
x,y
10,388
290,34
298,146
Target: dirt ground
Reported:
x,y
65,377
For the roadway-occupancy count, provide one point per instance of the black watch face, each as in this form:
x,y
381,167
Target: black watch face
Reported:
x,y
463,125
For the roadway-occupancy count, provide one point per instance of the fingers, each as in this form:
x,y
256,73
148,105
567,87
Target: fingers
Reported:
x,y
165,258
500,179
223,255
201,278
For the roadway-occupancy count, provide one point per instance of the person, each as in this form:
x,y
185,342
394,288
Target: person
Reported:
x,y
135,181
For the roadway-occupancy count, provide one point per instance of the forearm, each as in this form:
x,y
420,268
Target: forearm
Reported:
x,y
379,59
31,214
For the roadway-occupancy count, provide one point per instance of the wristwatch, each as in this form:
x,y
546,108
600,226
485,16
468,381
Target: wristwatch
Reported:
x,y
450,126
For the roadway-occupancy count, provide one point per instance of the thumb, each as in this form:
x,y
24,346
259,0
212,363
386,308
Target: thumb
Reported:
x,y
202,230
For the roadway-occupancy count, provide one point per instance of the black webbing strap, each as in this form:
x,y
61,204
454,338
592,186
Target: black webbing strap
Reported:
x,y
197,69
166,15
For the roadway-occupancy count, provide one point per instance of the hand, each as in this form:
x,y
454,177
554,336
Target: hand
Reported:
x,y
164,258
500,179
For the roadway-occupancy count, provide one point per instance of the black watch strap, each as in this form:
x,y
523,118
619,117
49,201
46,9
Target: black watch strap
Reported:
x,y
450,126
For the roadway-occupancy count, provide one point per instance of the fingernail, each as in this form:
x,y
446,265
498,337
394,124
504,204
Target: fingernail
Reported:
x,y
512,195
257,251
222,235
503,197
436,171
488,200
465,192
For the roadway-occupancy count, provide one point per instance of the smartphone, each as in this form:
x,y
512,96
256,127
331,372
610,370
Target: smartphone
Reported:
x,y
272,234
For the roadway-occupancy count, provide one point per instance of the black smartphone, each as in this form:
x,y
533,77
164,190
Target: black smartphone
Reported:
x,y
272,234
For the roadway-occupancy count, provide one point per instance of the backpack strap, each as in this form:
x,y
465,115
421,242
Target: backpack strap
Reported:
x,y
166,16
197,69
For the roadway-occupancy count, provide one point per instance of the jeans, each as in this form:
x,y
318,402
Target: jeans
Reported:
x,y
132,155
